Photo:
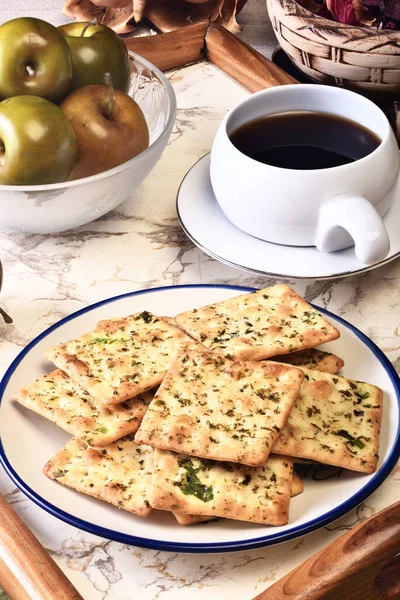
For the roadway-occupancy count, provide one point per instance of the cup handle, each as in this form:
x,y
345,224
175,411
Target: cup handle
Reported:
x,y
358,217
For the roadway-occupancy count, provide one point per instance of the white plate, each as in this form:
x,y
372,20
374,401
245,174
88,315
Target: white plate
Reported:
x,y
28,440
206,226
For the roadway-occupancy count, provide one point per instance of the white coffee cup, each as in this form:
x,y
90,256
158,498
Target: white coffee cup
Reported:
x,y
332,208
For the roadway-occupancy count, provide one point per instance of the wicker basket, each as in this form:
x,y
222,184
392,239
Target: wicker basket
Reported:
x,y
359,58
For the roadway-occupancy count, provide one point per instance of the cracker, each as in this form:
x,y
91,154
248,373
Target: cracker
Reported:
x,y
120,358
219,409
335,421
184,519
297,488
254,326
57,398
313,359
119,474
196,486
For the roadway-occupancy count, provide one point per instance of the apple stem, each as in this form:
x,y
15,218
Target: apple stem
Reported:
x,y
109,82
7,319
92,22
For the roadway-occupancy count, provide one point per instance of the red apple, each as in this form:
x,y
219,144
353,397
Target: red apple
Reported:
x,y
108,133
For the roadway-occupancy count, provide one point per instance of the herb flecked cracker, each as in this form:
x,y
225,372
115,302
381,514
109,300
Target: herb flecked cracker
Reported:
x,y
196,486
184,519
313,359
57,398
119,474
335,421
254,326
297,486
296,489
120,358
219,409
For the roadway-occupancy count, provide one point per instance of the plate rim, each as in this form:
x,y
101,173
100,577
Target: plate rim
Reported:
x,y
207,547
255,271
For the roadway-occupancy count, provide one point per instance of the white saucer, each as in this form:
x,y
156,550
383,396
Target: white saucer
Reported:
x,y
206,225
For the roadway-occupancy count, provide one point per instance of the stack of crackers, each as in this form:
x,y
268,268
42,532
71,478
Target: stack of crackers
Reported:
x,y
204,415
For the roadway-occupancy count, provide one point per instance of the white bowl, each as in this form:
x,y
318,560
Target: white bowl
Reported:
x,y
58,207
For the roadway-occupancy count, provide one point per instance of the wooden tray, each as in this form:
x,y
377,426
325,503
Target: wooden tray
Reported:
x,y
364,564
212,42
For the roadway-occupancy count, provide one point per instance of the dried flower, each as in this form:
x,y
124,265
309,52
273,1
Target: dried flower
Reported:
x,y
343,11
383,14
392,9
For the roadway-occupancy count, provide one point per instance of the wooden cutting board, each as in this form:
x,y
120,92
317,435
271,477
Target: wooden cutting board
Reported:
x,y
363,564
27,571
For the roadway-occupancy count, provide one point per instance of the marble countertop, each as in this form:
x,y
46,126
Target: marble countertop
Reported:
x,y
141,245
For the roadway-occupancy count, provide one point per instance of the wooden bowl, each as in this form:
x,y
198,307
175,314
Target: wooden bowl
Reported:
x,y
360,58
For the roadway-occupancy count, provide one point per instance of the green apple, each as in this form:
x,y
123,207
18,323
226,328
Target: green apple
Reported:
x,y
37,142
97,50
34,59
110,128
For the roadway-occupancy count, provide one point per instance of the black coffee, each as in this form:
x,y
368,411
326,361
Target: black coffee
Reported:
x,y
304,140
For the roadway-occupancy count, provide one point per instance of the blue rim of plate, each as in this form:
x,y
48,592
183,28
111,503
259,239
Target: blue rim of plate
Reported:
x,y
214,547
